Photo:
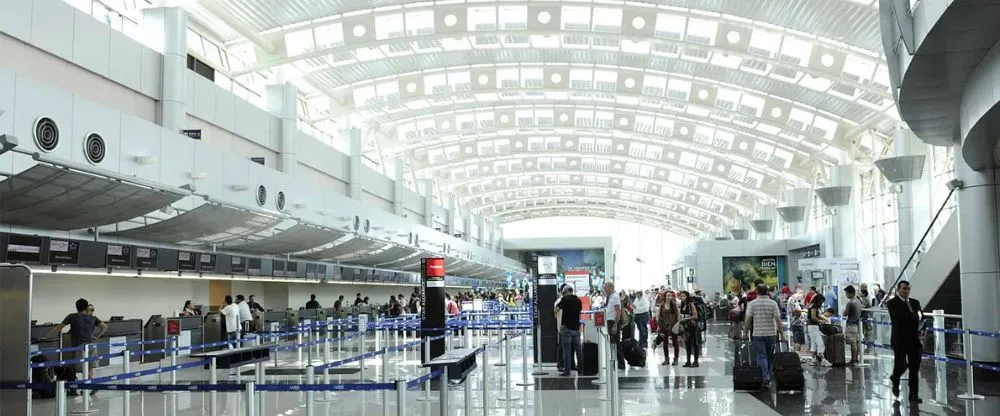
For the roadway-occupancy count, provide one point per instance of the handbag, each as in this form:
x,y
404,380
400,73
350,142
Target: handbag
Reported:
x,y
677,329
830,329
652,325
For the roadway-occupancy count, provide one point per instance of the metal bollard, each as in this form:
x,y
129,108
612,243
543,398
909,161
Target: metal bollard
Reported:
x,y
613,387
468,396
385,379
86,376
602,351
212,379
503,348
486,381
298,345
340,341
538,353
524,357
259,374
427,384
61,398
970,379
173,359
400,397
507,397
444,391
361,347
251,390
126,403
310,395
309,347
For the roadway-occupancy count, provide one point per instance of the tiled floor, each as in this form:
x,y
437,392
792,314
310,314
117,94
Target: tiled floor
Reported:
x,y
654,390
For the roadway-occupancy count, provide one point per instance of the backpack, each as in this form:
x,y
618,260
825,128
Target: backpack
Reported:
x,y
703,312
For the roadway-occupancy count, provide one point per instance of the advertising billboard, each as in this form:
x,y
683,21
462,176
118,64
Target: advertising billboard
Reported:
x,y
744,271
583,268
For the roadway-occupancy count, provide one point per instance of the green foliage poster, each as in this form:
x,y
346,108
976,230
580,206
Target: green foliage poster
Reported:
x,y
744,271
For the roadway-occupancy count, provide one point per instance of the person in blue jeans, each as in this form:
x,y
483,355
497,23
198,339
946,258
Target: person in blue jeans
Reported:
x,y
763,322
569,333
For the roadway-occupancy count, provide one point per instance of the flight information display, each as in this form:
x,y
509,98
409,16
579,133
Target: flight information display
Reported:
x,y
64,252
24,248
239,264
187,261
206,262
145,258
118,256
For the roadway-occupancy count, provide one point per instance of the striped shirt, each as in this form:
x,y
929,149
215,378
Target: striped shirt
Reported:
x,y
764,313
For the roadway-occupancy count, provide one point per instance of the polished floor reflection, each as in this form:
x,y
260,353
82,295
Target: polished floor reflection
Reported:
x,y
654,390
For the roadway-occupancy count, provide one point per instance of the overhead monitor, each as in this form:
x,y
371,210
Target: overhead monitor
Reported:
x,y
24,248
187,261
206,262
239,265
64,252
145,258
117,255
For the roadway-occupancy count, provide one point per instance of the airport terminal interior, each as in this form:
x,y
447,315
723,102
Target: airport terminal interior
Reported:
x,y
499,207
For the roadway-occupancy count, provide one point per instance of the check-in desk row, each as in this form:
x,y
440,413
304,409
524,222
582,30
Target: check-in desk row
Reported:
x,y
119,331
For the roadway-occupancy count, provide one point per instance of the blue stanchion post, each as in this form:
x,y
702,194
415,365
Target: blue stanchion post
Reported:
x,y
311,395
250,391
126,402
970,379
400,397
61,398
86,376
486,380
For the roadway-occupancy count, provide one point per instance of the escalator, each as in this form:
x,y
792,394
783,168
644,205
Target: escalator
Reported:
x,y
935,278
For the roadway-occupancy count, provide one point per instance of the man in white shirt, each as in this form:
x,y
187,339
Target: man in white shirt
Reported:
x,y
231,313
641,311
246,318
763,321
612,315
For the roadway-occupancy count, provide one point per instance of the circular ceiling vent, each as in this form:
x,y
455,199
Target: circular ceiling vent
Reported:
x,y
357,223
279,201
46,134
261,195
94,148
368,226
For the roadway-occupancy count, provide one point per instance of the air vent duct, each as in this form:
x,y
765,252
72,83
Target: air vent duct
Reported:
x,y
94,148
261,195
279,201
46,134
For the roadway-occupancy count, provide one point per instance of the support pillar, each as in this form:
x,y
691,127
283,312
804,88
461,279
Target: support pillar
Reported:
x,y
467,234
398,187
979,255
913,199
452,222
427,188
795,210
357,149
282,101
483,234
764,222
166,31
837,197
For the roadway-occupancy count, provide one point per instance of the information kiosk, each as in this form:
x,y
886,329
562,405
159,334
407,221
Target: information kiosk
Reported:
x,y
432,305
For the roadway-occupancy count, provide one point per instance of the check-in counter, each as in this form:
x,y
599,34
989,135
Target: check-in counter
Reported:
x,y
275,321
120,331
310,316
214,330
189,330
38,341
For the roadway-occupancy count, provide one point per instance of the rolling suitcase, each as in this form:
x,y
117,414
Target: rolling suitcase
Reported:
x,y
786,372
633,354
591,360
834,353
43,375
746,372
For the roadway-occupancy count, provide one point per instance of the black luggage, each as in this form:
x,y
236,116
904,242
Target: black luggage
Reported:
x,y
834,353
786,372
44,375
746,372
633,354
591,360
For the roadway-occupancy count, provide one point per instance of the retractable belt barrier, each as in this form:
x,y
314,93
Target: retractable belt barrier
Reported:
x,y
953,331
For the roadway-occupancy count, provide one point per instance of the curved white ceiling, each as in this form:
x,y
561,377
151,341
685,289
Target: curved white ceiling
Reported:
x,y
688,113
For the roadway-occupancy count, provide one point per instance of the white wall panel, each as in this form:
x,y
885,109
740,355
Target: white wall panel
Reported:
x,y
375,201
176,159
208,162
376,184
141,139
91,118
125,61
321,180
52,27
113,296
201,97
251,121
236,173
91,43
232,143
152,74
32,100
7,118
16,18
225,114
326,294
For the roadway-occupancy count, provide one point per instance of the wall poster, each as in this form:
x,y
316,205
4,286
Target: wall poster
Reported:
x,y
743,271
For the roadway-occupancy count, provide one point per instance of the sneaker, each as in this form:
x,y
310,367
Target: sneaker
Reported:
x,y
687,365
566,374
665,363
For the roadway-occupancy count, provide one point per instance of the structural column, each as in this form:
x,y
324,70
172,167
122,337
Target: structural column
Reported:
x,y
166,30
469,221
426,187
282,101
838,198
398,187
979,255
763,222
354,174
452,222
795,210
913,203
482,231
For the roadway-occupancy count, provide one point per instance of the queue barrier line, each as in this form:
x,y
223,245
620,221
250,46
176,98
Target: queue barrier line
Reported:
x,y
930,357
143,373
415,383
325,387
224,387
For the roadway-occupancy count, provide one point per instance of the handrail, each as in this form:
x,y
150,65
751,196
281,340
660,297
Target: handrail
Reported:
x,y
902,270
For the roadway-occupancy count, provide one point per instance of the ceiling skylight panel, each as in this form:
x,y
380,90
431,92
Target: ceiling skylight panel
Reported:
x,y
664,127
727,99
329,35
754,180
636,149
513,17
365,96
798,119
576,18
644,123
824,127
737,173
653,85
701,32
767,128
762,151
675,177
607,20
436,84
603,119
524,118
603,165
654,152
456,44
536,144
605,80
782,157
723,139
751,105
704,163
584,118
508,78
646,171
532,77
419,22
641,48
815,83
603,145
703,134
688,159
581,79
603,180
389,26
764,44
678,89
545,117
482,18
670,26
858,70
299,42
544,41
794,51
486,119
460,81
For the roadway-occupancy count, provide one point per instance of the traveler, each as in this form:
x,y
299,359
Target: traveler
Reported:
x,y
879,295
614,314
312,303
641,314
358,301
188,309
364,301
905,315
764,326
852,326
866,316
338,306
246,319
667,316
797,320
254,306
231,314
815,319
691,333
569,308
394,308
81,330
809,295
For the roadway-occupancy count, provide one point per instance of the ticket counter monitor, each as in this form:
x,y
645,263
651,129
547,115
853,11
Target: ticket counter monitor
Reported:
x,y
432,305
15,337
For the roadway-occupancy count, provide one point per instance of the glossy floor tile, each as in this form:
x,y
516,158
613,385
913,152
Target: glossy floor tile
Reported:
x,y
653,390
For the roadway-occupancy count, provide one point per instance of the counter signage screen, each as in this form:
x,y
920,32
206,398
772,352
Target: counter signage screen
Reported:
x,y
118,256
187,261
291,268
254,267
310,270
278,268
64,252
145,258
239,264
206,262
24,248
434,268
320,270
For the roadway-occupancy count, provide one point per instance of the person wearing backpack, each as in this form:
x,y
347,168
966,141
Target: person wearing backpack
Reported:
x,y
689,320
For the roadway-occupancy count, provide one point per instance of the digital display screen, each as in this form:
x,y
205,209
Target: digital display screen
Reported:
x,y
64,252
239,265
278,268
254,267
320,270
311,270
434,268
291,268
187,261
206,262
119,256
24,248
145,258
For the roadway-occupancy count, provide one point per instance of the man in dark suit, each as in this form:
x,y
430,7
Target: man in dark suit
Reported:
x,y
905,316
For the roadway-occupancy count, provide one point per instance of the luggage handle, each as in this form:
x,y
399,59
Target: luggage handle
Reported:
x,y
779,344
